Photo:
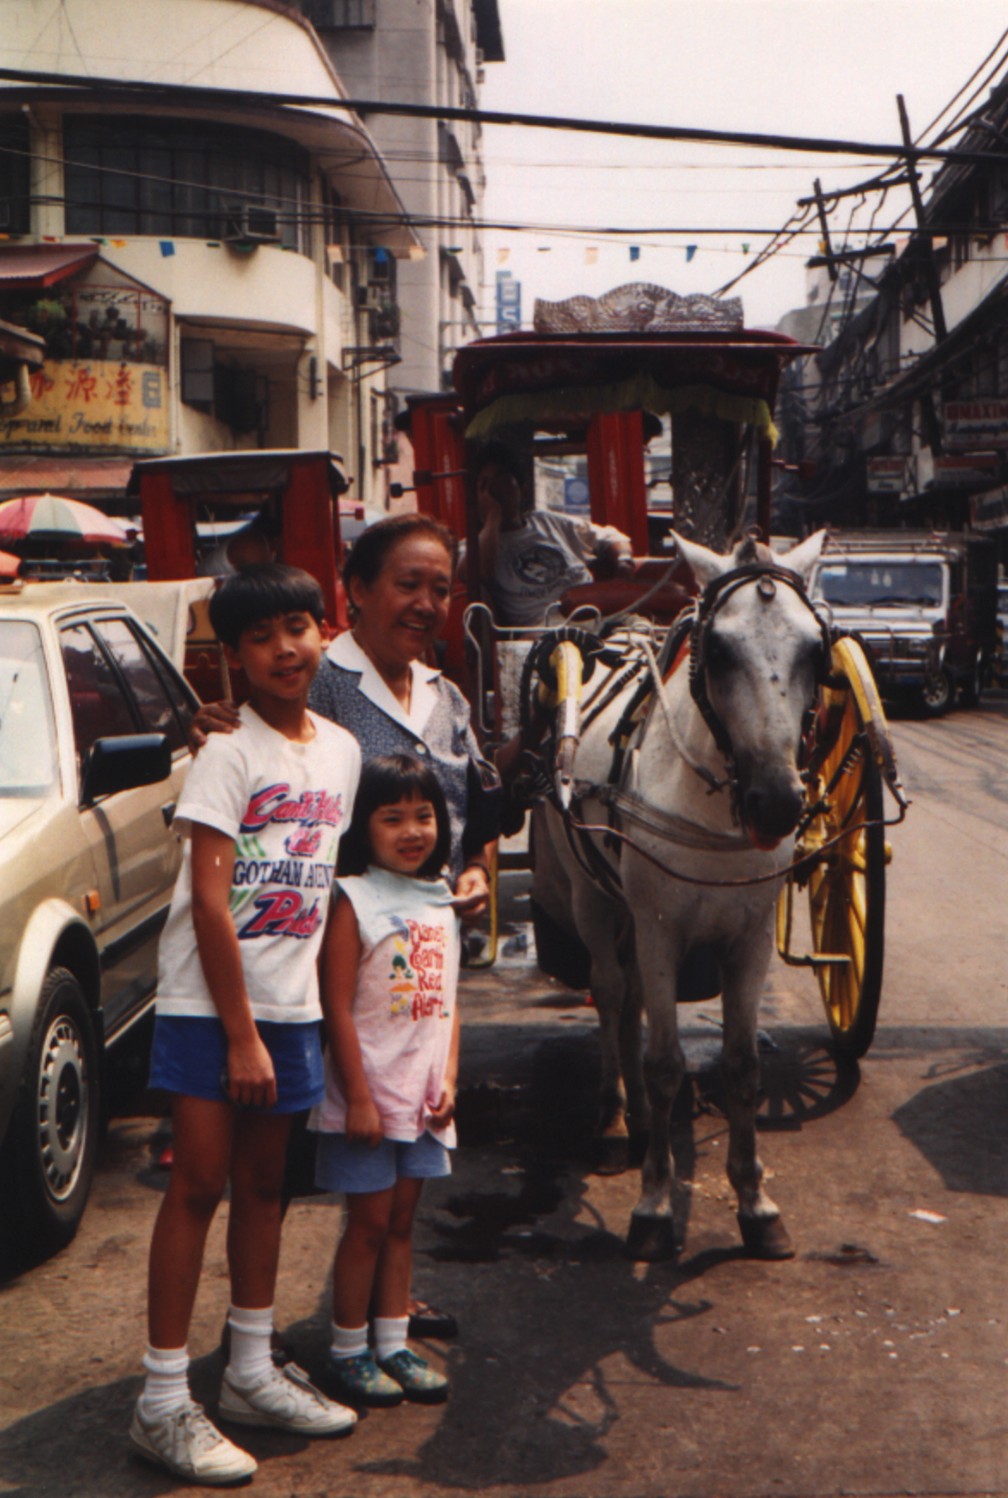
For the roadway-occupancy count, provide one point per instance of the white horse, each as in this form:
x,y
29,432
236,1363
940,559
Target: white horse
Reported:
x,y
704,801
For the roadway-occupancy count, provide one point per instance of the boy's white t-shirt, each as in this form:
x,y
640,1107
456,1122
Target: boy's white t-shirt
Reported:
x,y
285,804
404,1004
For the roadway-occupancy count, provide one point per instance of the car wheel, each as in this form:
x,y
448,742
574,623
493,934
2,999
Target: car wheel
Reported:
x,y
53,1142
936,693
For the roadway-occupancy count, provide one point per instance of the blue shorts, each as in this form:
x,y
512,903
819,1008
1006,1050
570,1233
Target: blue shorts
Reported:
x,y
354,1167
189,1055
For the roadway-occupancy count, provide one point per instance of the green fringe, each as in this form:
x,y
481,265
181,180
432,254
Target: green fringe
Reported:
x,y
639,393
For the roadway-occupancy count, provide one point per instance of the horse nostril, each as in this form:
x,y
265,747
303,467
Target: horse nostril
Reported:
x,y
773,811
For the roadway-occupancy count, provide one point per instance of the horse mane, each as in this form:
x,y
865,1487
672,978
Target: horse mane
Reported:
x,y
750,550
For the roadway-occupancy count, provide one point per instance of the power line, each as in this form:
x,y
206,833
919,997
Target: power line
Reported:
x,y
209,96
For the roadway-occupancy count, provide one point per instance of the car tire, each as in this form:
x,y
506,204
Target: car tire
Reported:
x,y
937,693
52,1144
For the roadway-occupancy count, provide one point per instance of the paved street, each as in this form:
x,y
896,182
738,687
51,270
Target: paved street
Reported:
x,y
874,1363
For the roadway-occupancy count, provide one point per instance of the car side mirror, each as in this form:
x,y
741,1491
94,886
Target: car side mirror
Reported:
x,y
125,762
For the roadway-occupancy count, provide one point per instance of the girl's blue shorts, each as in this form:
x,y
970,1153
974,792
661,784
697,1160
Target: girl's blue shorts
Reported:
x,y
353,1166
189,1055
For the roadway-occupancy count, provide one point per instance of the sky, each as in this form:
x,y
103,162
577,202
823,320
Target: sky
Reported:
x,y
823,68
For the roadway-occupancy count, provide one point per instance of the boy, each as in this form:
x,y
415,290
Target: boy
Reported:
x,y
237,1034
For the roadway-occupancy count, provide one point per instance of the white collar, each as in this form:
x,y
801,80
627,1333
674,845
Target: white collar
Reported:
x,y
344,651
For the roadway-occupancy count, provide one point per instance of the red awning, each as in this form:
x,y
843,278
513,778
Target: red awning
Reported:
x,y
79,478
32,267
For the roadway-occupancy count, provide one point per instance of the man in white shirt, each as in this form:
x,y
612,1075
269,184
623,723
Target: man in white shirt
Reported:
x,y
528,558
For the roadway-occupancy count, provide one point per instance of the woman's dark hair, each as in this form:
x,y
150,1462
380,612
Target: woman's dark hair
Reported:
x,y
386,779
370,551
263,590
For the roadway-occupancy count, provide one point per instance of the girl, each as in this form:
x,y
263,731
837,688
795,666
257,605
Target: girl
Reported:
x,y
390,968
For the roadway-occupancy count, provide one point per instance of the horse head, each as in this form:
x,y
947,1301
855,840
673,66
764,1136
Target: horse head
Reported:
x,y
758,651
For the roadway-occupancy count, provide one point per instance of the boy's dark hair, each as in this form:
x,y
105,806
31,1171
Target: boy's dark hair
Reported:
x,y
386,779
369,552
261,591
499,455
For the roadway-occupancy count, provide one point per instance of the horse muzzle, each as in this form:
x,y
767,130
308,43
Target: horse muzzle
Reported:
x,y
770,806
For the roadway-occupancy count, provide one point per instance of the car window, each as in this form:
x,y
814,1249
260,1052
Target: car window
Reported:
x,y
28,758
99,705
158,712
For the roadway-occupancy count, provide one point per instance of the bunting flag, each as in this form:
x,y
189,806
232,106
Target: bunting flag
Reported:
x,y
691,250
591,254
635,252
745,249
544,249
167,247
503,255
120,244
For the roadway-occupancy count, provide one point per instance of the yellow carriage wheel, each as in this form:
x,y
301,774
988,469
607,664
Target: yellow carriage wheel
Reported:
x,y
846,885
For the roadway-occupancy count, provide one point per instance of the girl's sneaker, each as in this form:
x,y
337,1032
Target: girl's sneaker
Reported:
x,y
360,1381
285,1399
415,1377
191,1447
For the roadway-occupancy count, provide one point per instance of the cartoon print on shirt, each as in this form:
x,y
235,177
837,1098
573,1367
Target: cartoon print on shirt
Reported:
x,y
402,980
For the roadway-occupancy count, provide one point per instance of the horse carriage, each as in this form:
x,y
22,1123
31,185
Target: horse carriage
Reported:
x,y
702,750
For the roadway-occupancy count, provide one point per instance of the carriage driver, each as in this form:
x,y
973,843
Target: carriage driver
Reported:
x,y
531,557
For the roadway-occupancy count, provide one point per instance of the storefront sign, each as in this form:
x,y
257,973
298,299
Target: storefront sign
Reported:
x,y
976,424
887,475
989,512
958,470
100,405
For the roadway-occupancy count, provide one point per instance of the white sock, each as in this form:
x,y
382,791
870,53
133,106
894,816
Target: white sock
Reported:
x,y
348,1341
389,1335
166,1387
250,1344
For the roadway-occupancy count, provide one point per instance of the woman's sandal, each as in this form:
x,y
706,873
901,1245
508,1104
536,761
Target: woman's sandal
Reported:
x,y
427,1321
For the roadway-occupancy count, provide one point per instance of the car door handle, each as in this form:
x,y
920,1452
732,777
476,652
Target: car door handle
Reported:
x,y
168,812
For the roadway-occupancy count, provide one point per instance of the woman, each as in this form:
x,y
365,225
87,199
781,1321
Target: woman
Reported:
x,y
374,680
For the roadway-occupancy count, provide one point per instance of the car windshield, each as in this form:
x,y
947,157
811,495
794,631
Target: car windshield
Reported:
x,y
880,583
28,764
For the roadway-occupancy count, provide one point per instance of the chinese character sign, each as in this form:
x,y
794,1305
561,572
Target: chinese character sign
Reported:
x,y
95,404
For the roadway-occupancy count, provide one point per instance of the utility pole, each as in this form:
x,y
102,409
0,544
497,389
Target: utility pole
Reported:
x,y
824,226
929,415
934,284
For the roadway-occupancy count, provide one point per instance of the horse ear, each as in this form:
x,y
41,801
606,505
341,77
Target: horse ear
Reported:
x,y
803,557
705,565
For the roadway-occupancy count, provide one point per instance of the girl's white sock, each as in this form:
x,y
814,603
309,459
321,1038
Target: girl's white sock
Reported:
x,y
389,1335
166,1387
250,1344
348,1341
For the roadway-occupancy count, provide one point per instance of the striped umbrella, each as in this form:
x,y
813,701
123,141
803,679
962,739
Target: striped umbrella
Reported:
x,y
50,517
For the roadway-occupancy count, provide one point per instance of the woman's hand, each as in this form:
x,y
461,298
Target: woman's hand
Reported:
x,y
363,1124
472,893
443,1114
251,1080
212,717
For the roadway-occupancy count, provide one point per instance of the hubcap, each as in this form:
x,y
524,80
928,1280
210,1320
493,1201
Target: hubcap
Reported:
x,y
63,1108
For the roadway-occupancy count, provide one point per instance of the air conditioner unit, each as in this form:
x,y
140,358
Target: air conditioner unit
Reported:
x,y
250,223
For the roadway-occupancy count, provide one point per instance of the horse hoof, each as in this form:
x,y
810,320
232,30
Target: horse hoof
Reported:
x,y
612,1155
765,1237
651,1239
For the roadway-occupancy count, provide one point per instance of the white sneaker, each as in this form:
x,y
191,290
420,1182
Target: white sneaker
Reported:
x,y
285,1399
191,1447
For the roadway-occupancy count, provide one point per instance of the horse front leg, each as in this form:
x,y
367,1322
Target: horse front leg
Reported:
x,y
652,1225
763,1232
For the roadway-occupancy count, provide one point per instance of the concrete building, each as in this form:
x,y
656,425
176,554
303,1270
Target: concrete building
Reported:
x,y
902,416
189,240
429,52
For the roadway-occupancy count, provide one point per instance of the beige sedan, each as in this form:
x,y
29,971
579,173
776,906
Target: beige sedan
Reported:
x,y
93,723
